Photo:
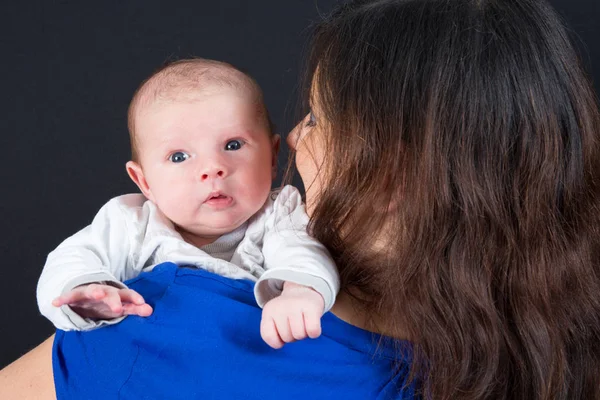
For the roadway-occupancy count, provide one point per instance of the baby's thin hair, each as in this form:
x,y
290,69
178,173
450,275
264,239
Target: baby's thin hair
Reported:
x,y
185,80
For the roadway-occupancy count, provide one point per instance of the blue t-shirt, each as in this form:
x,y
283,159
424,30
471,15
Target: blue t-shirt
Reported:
x,y
203,342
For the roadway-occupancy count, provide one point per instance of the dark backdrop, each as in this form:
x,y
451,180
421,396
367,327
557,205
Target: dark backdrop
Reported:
x,y
68,71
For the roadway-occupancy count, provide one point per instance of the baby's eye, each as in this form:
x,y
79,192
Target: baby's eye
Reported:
x,y
178,157
233,145
312,121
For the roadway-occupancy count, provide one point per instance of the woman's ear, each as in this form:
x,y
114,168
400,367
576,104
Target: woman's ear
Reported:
x,y
275,143
135,172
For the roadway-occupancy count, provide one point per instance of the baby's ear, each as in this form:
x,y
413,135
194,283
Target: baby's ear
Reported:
x,y
135,172
276,143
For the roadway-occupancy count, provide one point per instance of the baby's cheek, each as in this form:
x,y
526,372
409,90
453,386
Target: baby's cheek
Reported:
x,y
256,192
176,201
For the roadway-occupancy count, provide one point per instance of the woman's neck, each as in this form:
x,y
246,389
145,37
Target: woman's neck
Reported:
x,y
350,309
347,309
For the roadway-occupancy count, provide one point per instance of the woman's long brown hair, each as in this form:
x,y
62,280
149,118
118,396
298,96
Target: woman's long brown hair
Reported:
x,y
462,192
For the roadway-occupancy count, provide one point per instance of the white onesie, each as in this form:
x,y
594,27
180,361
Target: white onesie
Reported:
x,y
129,235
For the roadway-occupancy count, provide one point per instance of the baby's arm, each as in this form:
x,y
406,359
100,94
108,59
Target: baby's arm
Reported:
x,y
100,255
301,280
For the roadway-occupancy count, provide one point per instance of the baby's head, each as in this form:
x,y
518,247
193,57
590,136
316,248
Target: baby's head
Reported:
x,y
202,146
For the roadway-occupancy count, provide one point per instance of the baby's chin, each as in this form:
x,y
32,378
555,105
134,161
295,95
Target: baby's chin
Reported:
x,y
218,226
202,236
219,223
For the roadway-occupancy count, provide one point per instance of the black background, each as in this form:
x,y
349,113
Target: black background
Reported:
x,y
69,69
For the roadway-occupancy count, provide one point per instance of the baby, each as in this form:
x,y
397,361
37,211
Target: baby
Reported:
x,y
204,157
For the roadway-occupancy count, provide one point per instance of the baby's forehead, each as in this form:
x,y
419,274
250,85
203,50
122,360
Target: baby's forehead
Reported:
x,y
207,94
190,81
193,80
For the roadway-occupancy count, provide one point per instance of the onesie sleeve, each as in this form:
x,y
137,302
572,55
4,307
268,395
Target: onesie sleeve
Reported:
x,y
98,253
291,254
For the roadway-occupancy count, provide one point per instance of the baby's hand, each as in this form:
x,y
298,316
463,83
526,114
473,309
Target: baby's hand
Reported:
x,y
294,315
99,301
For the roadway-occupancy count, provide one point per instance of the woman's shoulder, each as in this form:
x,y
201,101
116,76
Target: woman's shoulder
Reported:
x,y
204,335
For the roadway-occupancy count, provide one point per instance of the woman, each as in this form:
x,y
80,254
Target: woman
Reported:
x,y
450,160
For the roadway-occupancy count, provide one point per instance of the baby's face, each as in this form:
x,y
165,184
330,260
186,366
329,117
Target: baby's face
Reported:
x,y
208,162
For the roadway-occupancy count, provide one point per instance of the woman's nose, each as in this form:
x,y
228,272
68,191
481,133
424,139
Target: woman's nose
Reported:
x,y
292,137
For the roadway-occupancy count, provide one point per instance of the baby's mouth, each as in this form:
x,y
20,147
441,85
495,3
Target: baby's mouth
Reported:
x,y
218,199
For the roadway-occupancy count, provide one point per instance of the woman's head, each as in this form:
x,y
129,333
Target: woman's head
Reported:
x,y
455,149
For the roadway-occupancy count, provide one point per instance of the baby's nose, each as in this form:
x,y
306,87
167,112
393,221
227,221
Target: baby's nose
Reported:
x,y
212,173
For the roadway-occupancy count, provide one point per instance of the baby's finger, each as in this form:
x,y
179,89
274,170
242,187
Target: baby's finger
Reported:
x,y
143,310
297,327
284,329
131,296
312,324
113,302
78,295
95,291
269,334
60,301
